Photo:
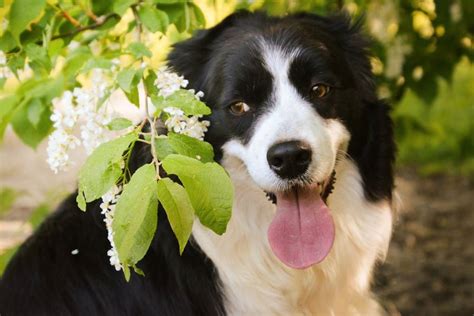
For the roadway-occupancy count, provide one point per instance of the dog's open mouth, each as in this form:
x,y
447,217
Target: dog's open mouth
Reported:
x,y
302,232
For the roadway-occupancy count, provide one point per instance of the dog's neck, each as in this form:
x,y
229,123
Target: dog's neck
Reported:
x,y
256,282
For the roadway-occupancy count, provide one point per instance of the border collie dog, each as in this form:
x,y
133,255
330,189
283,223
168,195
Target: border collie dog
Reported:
x,y
297,124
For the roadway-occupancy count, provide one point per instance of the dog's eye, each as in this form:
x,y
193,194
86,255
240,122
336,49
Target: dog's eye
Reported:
x,y
239,108
320,90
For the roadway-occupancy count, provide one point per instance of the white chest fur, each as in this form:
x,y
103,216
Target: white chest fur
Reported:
x,y
256,283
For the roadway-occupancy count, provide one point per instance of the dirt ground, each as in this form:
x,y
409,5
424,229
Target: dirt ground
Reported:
x,y
429,269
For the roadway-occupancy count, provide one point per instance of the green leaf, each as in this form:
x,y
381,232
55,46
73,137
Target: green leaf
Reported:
x,y
168,1
119,123
97,62
7,198
178,208
138,270
54,47
6,256
199,20
16,62
191,147
133,96
181,99
135,216
29,133
127,79
102,168
154,20
39,58
76,60
138,50
46,88
81,201
34,111
6,112
7,42
22,13
120,6
208,186
150,83
39,214
163,147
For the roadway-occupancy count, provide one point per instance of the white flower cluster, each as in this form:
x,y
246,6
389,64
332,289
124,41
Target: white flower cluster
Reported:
x,y
169,82
182,124
73,109
109,201
4,70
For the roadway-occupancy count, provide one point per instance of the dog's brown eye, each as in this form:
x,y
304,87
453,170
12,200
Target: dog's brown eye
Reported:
x,y
239,108
320,90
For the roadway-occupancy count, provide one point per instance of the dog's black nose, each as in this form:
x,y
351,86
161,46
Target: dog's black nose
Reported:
x,y
289,159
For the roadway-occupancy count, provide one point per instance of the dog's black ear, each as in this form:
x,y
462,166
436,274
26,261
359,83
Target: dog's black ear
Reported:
x,y
350,38
374,151
189,57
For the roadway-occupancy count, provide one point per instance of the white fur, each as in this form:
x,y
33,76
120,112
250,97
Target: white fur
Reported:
x,y
254,281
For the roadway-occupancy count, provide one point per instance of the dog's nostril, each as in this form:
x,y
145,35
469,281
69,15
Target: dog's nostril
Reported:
x,y
303,157
277,162
289,159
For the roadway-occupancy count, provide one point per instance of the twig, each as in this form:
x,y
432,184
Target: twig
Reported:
x,y
68,17
151,119
84,28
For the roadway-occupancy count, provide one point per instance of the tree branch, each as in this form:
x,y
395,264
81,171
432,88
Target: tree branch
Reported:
x,y
99,23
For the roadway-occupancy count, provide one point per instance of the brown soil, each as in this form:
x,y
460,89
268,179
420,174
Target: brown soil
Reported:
x,y
430,265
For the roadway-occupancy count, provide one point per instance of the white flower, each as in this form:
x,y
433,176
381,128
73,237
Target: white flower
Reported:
x,y
3,58
109,200
114,259
181,124
59,143
195,128
79,108
73,45
4,70
4,24
115,64
113,46
198,95
173,111
96,47
169,82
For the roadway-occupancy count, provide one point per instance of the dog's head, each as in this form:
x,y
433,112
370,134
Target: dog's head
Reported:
x,y
289,96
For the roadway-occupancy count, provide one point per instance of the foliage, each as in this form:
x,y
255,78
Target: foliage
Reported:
x,y
7,198
438,137
61,61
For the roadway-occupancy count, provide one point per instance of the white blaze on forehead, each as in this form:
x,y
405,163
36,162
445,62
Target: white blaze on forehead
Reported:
x,y
289,117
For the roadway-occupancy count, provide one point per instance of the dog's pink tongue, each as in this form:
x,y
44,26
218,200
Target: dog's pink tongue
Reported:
x,y
302,231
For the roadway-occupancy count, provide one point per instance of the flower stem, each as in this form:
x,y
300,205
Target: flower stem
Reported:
x,y
149,117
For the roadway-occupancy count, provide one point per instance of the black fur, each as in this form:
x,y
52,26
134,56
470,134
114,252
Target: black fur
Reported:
x,y
44,278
